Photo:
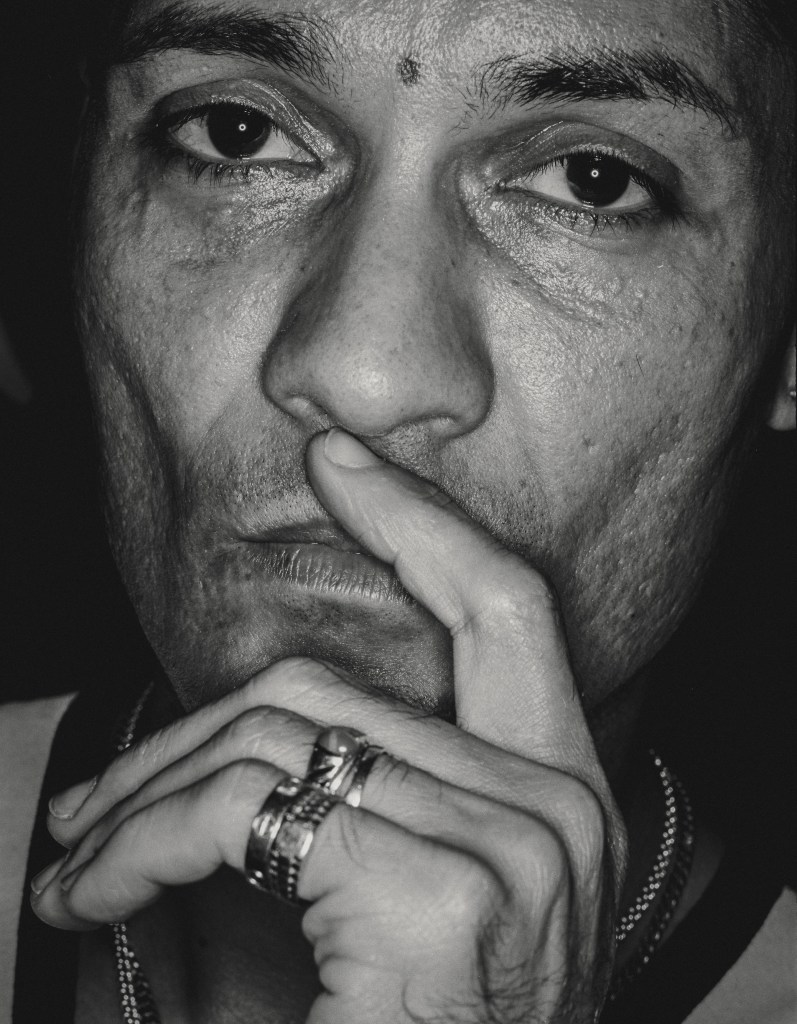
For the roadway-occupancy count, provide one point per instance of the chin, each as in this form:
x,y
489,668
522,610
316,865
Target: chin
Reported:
x,y
395,647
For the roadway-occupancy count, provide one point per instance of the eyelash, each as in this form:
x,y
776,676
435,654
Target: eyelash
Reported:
x,y
665,210
157,137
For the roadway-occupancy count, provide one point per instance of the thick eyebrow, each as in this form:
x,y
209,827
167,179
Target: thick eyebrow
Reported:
x,y
290,41
604,74
306,47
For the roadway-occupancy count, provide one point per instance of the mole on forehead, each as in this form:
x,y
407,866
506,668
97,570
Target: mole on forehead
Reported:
x,y
409,70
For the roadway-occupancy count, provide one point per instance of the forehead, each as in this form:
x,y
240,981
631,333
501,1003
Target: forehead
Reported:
x,y
452,39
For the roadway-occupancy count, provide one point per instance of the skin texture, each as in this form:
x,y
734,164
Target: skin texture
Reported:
x,y
555,405
479,878
534,373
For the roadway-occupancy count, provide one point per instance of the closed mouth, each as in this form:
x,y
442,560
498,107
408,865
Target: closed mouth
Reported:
x,y
323,558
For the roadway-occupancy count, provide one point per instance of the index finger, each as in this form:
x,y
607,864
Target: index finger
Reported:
x,y
513,683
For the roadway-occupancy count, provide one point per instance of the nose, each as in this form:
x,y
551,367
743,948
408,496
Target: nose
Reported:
x,y
382,336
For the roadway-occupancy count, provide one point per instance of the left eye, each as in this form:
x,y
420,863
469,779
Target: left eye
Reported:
x,y
227,132
593,180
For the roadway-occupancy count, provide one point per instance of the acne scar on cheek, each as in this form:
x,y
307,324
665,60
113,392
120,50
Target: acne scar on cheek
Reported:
x,y
409,70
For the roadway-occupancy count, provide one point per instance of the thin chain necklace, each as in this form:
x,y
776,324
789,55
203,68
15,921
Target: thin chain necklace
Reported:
x,y
138,1003
670,871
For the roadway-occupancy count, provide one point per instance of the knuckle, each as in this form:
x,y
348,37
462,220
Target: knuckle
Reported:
x,y
228,802
578,848
470,892
517,594
244,783
249,732
588,826
551,863
287,681
585,813
540,600
152,749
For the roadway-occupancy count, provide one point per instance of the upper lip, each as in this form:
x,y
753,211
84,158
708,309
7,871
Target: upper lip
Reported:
x,y
313,531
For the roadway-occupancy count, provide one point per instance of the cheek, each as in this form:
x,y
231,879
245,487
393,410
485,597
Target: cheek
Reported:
x,y
175,323
610,361
620,397
179,307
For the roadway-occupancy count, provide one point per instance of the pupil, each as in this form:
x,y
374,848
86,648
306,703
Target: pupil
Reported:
x,y
235,132
596,179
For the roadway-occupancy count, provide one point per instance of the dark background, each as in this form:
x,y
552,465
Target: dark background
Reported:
x,y
725,713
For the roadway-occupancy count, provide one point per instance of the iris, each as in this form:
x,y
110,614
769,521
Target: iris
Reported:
x,y
237,132
597,179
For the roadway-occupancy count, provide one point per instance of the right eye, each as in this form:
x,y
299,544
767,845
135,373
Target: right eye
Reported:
x,y
230,133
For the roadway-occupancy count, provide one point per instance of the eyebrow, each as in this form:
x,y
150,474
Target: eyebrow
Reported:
x,y
293,42
306,47
603,74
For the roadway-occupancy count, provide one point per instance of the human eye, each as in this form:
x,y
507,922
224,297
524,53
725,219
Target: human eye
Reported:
x,y
227,140
593,190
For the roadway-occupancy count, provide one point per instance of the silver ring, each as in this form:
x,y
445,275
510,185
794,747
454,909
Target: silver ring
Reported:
x,y
282,834
334,755
360,773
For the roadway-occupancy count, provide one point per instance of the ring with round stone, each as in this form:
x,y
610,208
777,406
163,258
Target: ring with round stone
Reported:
x,y
282,834
341,762
334,756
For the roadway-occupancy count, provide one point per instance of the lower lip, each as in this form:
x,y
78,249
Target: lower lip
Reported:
x,y
331,571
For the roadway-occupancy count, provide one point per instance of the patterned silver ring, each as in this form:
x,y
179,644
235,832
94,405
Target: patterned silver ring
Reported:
x,y
282,834
334,756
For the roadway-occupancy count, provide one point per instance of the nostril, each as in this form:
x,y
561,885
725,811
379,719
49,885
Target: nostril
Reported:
x,y
379,343
302,409
372,385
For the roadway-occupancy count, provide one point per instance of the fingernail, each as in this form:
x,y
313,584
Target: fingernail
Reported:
x,y
342,449
66,805
43,879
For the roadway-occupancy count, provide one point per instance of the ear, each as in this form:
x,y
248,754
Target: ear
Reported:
x,y
782,412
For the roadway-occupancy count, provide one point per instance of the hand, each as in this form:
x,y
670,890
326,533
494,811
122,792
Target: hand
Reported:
x,y
478,881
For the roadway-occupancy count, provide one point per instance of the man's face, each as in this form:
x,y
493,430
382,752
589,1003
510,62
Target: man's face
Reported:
x,y
518,248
